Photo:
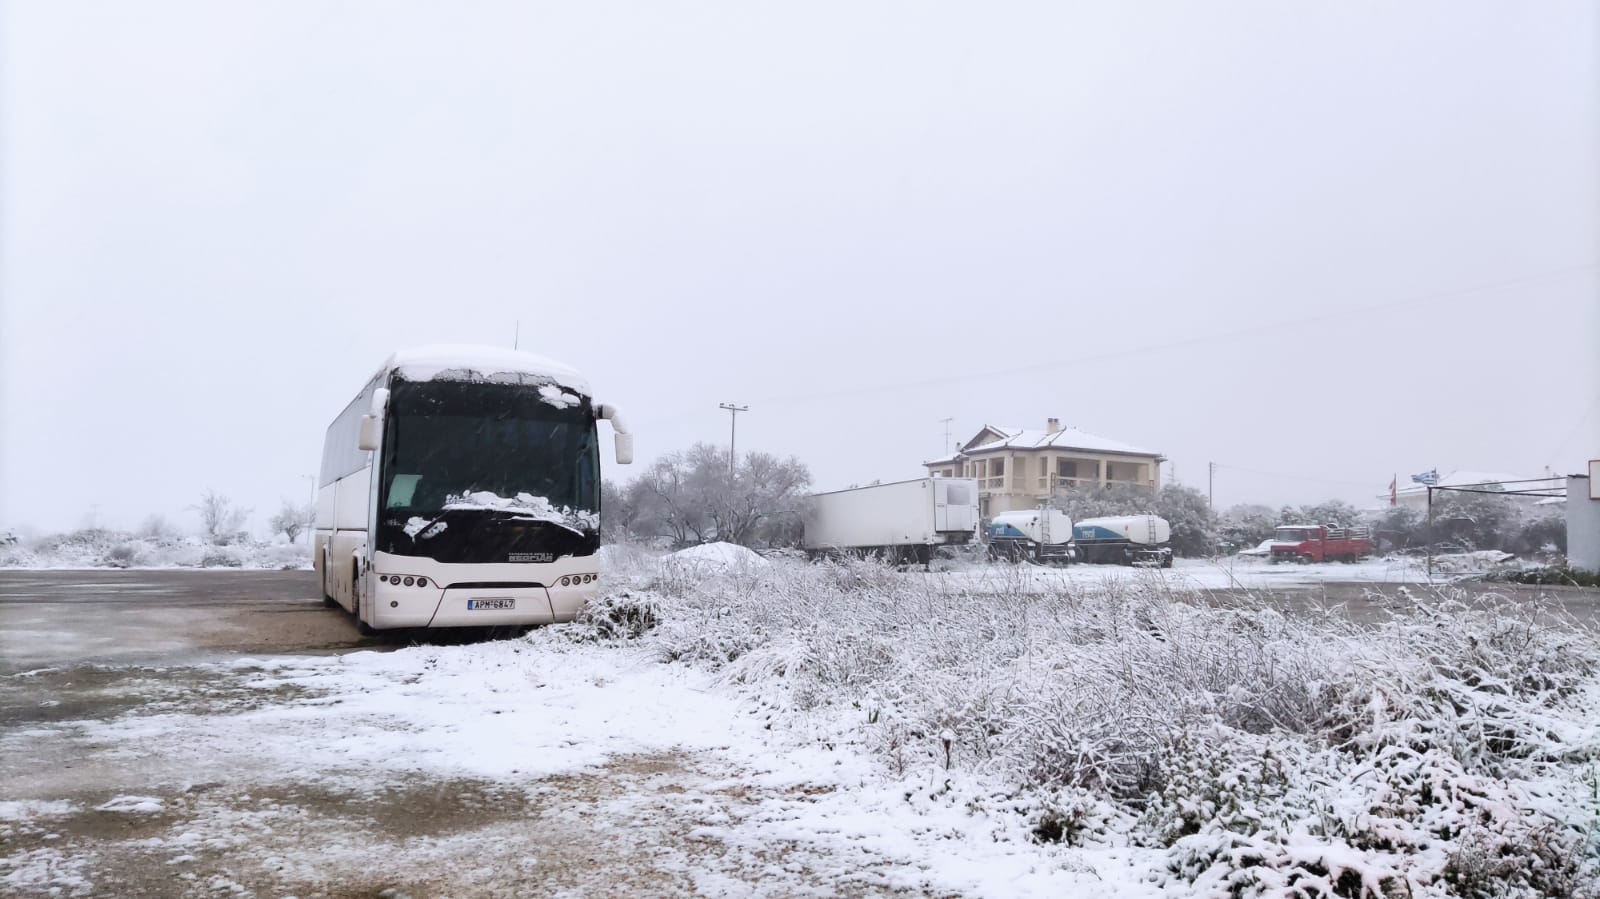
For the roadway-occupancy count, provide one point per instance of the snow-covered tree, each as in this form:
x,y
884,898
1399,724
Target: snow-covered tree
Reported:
x,y
1103,500
156,527
1194,526
220,519
291,519
1335,513
1247,524
1399,528
691,496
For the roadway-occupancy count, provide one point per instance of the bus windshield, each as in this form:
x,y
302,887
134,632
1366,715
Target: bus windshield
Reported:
x,y
484,472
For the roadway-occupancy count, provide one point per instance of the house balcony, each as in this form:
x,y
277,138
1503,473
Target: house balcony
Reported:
x,y
1055,484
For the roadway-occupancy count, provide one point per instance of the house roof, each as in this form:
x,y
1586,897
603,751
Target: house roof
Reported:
x,y
1065,439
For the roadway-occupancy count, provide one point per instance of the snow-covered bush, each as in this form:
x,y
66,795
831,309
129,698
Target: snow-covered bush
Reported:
x,y
102,548
1441,752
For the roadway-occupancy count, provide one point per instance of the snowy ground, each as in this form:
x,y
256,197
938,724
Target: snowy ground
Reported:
x,y
792,730
700,795
1202,574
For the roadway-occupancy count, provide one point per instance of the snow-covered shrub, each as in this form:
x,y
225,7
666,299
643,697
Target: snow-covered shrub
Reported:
x,y
221,557
1440,752
624,615
125,555
19,555
101,548
1539,574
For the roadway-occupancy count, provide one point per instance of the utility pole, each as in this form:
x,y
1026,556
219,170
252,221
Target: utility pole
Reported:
x,y
733,433
1211,486
1430,533
311,510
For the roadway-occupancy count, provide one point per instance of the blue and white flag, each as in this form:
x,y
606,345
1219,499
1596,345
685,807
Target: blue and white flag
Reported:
x,y
1430,477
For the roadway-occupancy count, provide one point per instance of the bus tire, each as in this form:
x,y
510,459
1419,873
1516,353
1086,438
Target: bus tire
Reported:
x,y
362,627
328,602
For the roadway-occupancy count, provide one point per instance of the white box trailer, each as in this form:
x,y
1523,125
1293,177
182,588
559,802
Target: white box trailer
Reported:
x,y
903,520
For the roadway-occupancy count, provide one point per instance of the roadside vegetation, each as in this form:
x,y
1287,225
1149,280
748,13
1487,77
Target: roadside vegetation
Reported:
x,y
1448,750
220,542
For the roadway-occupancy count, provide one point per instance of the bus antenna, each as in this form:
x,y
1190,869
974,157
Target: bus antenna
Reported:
x,y
516,333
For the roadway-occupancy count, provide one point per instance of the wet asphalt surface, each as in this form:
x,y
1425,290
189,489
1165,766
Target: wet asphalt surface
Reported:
x,y
53,618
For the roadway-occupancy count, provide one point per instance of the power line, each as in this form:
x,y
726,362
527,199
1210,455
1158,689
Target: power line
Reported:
x,y
1583,420
1337,312
1293,477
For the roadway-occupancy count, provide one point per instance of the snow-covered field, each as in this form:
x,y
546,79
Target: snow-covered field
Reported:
x,y
725,728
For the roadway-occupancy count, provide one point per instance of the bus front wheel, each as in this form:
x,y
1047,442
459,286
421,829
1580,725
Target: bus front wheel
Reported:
x,y
328,601
362,627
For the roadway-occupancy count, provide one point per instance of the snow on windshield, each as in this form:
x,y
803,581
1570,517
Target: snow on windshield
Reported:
x,y
525,505
416,524
557,397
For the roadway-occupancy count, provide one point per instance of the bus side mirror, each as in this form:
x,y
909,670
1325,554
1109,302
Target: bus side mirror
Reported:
x,y
372,422
371,432
624,439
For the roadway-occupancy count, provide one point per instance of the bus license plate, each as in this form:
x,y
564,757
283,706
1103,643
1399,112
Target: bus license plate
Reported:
x,y
491,604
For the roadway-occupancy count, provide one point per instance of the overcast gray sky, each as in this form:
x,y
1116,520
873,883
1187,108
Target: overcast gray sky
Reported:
x,y
1317,243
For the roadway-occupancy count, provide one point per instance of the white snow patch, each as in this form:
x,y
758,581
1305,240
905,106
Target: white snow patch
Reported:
x,y
475,363
49,869
132,805
415,525
28,809
716,556
525,505
557,397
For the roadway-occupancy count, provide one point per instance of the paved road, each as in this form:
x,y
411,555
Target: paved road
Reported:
x,y
50,618
1370,602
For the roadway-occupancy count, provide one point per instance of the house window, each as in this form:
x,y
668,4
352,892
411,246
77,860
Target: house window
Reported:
x,y
1066,468
997,468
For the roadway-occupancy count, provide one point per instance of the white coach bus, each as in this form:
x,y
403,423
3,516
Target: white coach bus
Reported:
x,y
461,488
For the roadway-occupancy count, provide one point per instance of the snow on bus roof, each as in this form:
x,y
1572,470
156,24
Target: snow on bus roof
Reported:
x,y
469,362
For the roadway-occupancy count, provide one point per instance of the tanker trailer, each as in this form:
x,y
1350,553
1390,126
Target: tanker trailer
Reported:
x,y
1124,540
1043,535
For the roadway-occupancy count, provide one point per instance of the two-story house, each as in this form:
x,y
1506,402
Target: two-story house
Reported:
x,y
1018,469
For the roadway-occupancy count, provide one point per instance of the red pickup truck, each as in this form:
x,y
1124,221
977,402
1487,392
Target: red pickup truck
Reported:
x,y
1317,543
